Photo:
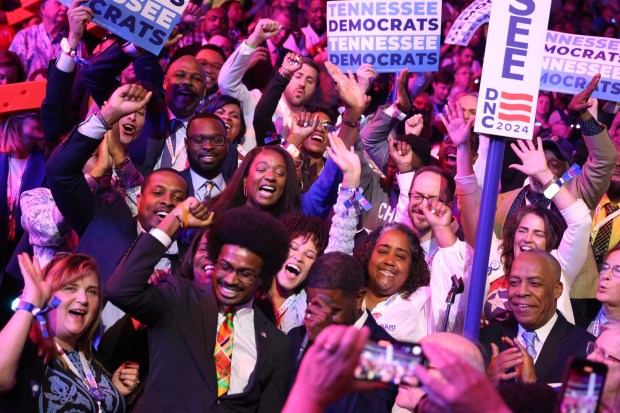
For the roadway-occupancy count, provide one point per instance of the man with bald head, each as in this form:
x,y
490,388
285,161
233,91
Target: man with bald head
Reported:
x,y
536,343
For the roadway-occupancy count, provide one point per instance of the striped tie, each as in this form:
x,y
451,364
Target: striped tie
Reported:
x,y
223,352
530,341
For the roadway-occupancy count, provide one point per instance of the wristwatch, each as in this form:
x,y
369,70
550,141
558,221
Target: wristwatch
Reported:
x,y
66,47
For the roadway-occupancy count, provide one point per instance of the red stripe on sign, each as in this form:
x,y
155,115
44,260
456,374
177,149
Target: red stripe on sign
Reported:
x,y
515,106
510,117
517,96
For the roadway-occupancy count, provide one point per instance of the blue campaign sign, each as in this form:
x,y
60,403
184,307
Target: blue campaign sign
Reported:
x,y
390,35
146,23
570,61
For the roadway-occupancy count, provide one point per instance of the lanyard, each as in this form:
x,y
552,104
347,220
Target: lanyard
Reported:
x,y
174,155
89,380
284,307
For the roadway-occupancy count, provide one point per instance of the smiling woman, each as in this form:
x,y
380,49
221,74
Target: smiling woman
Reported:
x,y
65,300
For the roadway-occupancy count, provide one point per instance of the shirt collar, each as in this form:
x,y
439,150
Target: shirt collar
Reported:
x,y
199,180
243,312
543,332
362,320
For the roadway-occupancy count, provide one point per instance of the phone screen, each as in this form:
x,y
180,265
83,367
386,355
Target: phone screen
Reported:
x,y
583,386
389,362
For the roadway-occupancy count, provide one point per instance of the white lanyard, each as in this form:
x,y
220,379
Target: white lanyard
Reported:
x,y
285,307
90,381
174,155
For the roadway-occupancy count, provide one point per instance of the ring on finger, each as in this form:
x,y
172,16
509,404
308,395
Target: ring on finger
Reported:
x,y
330,348
308,316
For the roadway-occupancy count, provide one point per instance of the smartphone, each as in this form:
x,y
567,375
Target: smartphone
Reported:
x,y
582,386
389,362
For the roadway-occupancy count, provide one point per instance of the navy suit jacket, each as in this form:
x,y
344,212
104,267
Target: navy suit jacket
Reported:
x,y
181,317
104,224
564,340
376,401
34,177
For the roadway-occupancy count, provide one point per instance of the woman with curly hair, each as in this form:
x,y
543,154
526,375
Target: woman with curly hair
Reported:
x,y
397,281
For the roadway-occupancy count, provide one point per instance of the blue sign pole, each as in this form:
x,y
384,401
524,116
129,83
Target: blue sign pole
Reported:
x,y
488,205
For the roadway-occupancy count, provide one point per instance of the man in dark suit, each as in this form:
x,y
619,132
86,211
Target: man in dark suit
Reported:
x,y
207,146
104,223
537,344
186,320
335,288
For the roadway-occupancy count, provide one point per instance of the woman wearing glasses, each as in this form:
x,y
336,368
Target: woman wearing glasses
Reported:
x,y
47,362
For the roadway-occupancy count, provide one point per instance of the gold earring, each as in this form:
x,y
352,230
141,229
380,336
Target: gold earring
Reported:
x,y
245,189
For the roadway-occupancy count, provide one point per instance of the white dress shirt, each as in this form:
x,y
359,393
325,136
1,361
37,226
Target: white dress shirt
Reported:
x,y
541,335
199,183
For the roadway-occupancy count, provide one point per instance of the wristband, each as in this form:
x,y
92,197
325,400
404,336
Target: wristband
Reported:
x,y
185,217
351,124
103,122
285,73
291,149
66,48
591,127
25,306
552,187
178,218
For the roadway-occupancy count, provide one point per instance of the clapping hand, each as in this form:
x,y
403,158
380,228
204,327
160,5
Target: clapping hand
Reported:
x,y
349,91
365,73
346,159
37,291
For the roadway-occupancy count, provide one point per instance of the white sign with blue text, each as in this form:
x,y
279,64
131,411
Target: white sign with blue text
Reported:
x,y
146,23
390,35
570,61
511,75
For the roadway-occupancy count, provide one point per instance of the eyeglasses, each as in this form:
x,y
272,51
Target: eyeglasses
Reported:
x,y
223,268
592,348
416,198
615,270
200,140
326,126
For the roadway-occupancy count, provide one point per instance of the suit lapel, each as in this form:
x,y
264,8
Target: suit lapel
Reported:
x,y
550,348
262,345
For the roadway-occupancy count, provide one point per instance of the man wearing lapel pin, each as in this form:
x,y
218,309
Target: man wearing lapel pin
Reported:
x,y
209,349
541,341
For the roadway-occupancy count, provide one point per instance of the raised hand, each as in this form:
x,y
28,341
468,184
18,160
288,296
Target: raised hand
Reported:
x,y
346,159
436,213
302,126
349,91
292,62
198,216
414,125
365,73
79,16
37,291
125,100
581,101
533,159
458,129
401,154
402,97
264,29
192,14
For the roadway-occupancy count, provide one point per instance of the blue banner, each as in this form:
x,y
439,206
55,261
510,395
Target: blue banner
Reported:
x,y
146,23
390,35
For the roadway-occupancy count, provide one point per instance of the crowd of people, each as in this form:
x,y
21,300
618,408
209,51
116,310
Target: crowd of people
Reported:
x,y
223,226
